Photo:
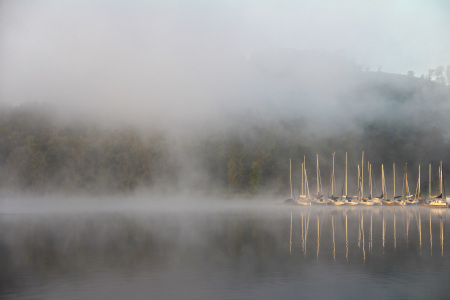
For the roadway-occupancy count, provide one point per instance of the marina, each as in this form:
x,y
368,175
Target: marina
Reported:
x,y
406,198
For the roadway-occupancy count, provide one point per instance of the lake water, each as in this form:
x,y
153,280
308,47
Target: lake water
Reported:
x,y
227,252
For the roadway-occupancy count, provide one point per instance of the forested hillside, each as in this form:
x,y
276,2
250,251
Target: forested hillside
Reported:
x,y
294,105
250,156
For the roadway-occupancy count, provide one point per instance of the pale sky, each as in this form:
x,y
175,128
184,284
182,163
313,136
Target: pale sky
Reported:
x,y
112,52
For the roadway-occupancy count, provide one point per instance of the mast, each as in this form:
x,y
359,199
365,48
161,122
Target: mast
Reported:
x,y
393,167
290,176
444,197
304,176
418,185
440,178
359,184
429,181
383,183
303,171
362,175
317,171
332,177
346,174
406,180
370,178
306,185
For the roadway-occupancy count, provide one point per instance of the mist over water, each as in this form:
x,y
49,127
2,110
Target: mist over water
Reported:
x,y
226,252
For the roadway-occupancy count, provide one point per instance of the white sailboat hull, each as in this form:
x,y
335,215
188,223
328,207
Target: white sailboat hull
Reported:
x,y
366,203
337,203
376,201
412,202
436,204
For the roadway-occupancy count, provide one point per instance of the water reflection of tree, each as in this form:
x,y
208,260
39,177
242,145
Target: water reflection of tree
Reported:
x,y
259,243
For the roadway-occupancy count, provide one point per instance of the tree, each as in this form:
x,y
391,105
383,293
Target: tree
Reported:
x,y
235,165
255,176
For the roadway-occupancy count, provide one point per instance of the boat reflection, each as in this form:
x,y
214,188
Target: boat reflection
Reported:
x,y
382,235
442,237
305,229
384,231
318,235
290,238
431,238
419,230
395,233
334,243
363,234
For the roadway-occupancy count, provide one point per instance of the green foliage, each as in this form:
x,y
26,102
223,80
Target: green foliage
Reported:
x,y
37,158
261,169
255,176
235,165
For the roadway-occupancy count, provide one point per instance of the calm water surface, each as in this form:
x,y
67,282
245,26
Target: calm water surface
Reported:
x,y
270,252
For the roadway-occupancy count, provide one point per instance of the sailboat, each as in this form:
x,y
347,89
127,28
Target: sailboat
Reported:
x,y
406,195
375,200
418,190
290,200
397,199
333,199
413,199
383,196
362,199
345,198
438,201
304,198
318,198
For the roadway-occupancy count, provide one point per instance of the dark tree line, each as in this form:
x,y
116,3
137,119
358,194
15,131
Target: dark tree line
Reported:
x,y
40,154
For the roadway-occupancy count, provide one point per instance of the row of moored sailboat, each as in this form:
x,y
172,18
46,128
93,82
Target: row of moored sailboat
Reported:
x,y
318,198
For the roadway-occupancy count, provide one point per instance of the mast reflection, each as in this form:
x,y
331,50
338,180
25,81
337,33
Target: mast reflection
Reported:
x,y
384,231
362,234
442,237
419,229
290,237
407,229
371,235
346,238
305,229
431,238
318,236
359,230
395,234
334,244
360,226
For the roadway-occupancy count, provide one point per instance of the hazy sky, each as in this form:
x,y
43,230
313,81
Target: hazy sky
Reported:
x,y
110,55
